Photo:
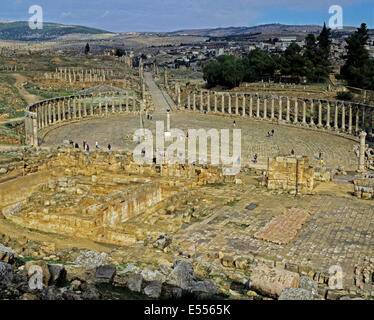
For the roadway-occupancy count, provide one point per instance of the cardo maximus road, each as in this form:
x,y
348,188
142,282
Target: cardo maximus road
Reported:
x,y
161,101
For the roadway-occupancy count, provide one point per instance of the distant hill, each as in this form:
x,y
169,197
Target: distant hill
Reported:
x,y
51,31
274,28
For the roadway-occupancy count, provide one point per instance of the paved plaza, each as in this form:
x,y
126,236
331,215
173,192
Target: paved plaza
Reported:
x,y
119,130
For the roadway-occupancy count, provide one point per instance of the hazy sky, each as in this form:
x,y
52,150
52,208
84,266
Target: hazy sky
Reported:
x,y
171,15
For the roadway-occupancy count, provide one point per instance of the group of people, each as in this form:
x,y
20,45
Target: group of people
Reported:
x,y
270,133
86,146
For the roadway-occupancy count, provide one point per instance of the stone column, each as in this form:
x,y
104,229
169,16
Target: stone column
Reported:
x,y
357,120
179,97
236,104
250,106
59,110
304,113
371,122
69,106
168,121
79,107
295,120
201,102
188,101
222,102
280,109
229,100
328,115
258,108
361,164
100,105
272,108
243,105
106,104
215,102
363,123
336,127
350,119
53,112
63,110
288,110
265,108
121,100
39,116
194,101
311,112
343,117
320,125
74,107
127,102
49,113
113,103
85,106
35,129
134,102
92,105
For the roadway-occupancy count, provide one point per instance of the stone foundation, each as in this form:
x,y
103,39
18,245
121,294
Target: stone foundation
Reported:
x,y
291,174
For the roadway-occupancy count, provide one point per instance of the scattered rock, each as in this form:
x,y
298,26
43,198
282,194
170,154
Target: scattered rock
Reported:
x,y
165,270
150,275
272,281
153,289
208,286
295,294
131,268
163,241
134,282
105,274
58,274
6,273
182,275
92,259
120,280
7,255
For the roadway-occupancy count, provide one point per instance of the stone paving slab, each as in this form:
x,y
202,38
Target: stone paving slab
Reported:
x,y
282,229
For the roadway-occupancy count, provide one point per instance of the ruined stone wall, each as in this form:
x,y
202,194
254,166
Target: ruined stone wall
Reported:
x,y
364,187
291,174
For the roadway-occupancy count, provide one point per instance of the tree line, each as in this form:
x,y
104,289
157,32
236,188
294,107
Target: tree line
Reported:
x,y
311,62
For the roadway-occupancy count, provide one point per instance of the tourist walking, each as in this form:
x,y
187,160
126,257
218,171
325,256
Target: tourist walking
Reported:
x,y
76,146
293,152
109,147
97,145
87,147
272,132
255,158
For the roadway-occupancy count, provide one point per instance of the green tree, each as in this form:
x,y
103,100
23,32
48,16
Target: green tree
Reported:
x,y
292,63
87,49
358,68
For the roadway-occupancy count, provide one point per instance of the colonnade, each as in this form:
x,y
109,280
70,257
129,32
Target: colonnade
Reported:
x,y
341,116
53,111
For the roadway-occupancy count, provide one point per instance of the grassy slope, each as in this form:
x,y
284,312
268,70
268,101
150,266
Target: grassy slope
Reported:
x,y
20,30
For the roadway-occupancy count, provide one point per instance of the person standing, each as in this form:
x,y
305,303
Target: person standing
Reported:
x,y
109,147
97,145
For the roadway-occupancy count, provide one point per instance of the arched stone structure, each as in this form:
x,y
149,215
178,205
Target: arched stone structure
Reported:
x,y
339,116
51,112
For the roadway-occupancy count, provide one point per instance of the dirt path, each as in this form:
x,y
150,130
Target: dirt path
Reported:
x,y
30,98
